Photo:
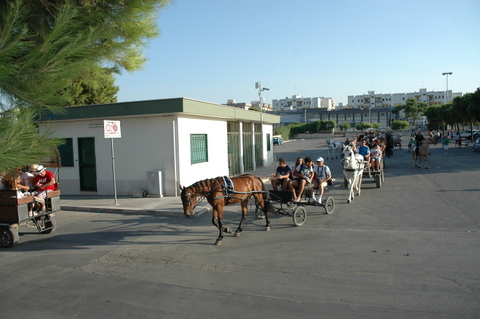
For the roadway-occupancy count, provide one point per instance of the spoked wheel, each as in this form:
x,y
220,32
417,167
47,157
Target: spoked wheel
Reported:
x,y
49,224
8,236
299,216
45,224
258,211
329,205
378,180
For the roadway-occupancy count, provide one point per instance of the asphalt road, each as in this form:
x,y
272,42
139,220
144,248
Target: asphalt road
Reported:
x,y
409,249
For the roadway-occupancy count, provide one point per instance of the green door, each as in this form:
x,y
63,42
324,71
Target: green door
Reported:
x,y
87,164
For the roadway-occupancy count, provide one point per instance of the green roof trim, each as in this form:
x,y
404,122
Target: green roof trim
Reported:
x,y
163,106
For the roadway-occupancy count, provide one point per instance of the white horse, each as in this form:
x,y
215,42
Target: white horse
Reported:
x,y
333,148
353,171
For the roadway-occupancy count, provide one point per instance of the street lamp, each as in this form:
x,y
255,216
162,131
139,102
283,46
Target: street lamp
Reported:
x,y
258,86
446,92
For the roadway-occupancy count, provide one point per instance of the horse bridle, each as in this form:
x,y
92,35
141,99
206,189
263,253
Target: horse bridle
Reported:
x,y
189,195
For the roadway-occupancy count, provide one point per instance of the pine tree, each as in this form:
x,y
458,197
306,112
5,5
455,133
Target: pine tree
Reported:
x,y
47,46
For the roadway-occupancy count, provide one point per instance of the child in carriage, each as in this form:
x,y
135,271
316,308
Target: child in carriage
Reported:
x,y
304,173
376,157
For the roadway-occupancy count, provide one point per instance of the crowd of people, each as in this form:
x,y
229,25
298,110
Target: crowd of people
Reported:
x,y
35,181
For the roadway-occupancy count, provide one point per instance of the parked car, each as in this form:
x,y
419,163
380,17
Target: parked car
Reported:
x,y
476,145
467,134
277,140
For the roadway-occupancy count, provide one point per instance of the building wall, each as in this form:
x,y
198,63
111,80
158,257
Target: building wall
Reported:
x,y
146,145
217,164
297,102
373,99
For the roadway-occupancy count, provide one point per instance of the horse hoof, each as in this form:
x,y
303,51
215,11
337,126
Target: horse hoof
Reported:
x,y
218,243
349,201
267,228
237,234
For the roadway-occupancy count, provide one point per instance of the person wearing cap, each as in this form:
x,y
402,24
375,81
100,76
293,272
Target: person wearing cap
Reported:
x,y
44,181
322,175
26,178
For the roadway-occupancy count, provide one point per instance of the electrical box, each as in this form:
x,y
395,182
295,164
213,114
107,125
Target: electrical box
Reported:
x,y
155,186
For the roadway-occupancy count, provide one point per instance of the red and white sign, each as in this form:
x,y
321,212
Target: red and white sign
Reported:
x,y
112,129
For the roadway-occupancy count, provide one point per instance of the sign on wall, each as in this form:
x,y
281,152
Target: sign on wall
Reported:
x,y
111,129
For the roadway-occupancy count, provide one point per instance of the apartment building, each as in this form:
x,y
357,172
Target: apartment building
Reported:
x,y
373,99
297,102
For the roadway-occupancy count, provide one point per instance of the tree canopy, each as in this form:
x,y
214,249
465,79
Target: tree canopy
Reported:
x,y
52,50
463,110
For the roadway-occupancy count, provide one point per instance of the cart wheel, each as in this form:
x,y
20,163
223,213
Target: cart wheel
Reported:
x,y
378,180
258,211
329,205
383,176
8,236
50,224
299,216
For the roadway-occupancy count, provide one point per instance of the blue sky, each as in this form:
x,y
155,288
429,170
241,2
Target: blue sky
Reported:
x,y
215,50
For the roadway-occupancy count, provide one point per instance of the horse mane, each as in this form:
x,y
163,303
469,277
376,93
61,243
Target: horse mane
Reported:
x,y
203,186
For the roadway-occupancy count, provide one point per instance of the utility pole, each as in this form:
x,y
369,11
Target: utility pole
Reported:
x,y
446,92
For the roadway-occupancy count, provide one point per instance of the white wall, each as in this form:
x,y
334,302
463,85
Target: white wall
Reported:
x,y
146,145
217,164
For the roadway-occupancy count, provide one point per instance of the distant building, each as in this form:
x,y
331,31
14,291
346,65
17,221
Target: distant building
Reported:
x,y
297,102
246,106
373,99
351,116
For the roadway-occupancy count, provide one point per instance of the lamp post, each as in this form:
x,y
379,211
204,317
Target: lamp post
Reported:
x,y
446,92
258,86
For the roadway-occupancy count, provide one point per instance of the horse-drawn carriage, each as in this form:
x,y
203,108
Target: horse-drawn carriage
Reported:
x,y
282,203
16,212
223,191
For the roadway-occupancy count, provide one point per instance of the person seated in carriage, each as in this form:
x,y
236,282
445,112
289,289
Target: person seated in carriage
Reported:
x,y
364,150
376,157
322,176
305,174
282,175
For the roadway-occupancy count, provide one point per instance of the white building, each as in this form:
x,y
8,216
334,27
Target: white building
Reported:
x,y
186,140
373,99
296,102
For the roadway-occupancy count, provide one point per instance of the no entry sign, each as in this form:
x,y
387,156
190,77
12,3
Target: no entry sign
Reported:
x,y
112,129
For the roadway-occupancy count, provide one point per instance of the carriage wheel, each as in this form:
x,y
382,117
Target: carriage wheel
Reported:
x,y
8,236
383,176
378,180
258,211
299,216
329,205
49,224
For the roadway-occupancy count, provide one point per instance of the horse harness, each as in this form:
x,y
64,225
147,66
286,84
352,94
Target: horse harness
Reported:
x,y
228,189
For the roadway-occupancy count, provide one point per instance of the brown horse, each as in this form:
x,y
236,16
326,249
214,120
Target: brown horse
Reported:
x,y
423,152
218,194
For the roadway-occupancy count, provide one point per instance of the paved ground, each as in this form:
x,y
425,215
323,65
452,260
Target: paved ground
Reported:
x,y
409,249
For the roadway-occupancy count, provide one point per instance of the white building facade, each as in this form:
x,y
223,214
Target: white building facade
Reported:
x,y
183,139
297,102
373,99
